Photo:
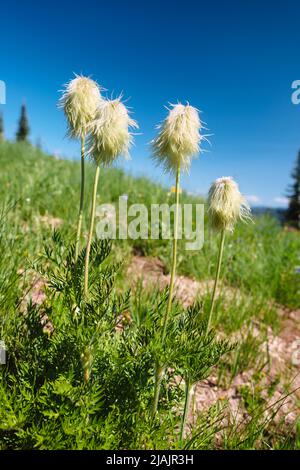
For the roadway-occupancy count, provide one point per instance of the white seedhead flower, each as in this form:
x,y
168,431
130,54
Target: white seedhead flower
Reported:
x,y
179,138
226,205
80,100
110,136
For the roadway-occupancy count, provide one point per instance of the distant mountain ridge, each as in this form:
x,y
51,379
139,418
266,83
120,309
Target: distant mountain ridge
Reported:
x,y
276,212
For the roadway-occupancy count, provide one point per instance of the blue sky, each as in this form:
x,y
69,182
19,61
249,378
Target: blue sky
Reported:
x,y
235,61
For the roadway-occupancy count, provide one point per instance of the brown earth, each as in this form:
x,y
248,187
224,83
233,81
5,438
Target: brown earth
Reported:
x,y
151,272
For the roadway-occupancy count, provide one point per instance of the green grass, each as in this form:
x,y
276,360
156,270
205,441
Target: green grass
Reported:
x,y
43,403
260,258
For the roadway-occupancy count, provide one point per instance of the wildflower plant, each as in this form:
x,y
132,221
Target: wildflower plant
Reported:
x,y
177,143
226,206
109,138
79,101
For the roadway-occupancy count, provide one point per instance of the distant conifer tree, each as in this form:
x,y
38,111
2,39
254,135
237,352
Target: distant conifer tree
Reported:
x,y
293,212
23,129
2,138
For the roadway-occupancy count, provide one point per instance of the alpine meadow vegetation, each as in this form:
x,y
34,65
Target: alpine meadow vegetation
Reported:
x,y
97,361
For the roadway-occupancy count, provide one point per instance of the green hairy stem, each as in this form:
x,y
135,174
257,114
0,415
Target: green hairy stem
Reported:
x,y
158,370
187,400
90,235
213,299
80,215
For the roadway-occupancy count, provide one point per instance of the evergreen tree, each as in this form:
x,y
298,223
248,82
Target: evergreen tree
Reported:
x,y
23,129
1,129
293,212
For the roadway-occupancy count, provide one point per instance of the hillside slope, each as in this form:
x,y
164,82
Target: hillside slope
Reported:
x,y
43,193
258,300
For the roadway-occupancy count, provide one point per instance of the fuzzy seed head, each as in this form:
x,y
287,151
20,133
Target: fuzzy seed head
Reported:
x,y
79,101
226,205
110,136
179,138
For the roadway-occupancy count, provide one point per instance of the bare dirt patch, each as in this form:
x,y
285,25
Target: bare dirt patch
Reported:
x,y
151,272
50,221
36,290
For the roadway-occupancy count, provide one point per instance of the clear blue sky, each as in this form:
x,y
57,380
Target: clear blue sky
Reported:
x,y
233,60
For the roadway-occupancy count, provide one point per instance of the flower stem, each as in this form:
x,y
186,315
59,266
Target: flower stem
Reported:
x,y
79,224
174,257
90,235
221,248
187,400
158,370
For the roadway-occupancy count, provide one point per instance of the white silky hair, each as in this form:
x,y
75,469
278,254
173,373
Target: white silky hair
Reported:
x,y
179,138
226,205
80,100
110,134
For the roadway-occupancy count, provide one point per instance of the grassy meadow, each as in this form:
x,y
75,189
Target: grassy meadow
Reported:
x,y
247,399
